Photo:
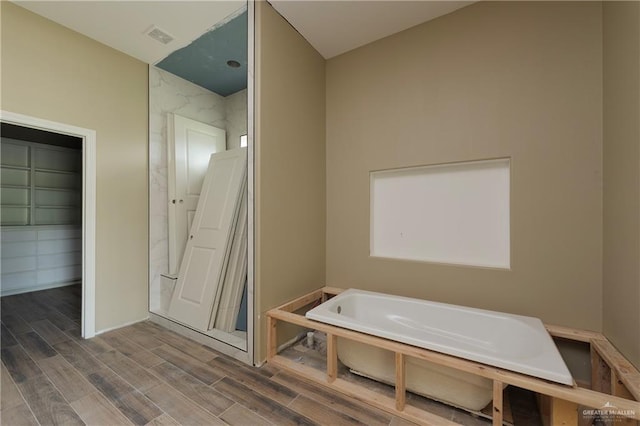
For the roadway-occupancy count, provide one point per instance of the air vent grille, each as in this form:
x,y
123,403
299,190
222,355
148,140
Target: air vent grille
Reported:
x,y
159,35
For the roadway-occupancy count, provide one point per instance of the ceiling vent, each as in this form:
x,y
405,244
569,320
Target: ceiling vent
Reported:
x,y
159,35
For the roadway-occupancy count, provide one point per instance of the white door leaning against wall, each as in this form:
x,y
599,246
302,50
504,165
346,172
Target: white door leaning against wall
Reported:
x,y
191,143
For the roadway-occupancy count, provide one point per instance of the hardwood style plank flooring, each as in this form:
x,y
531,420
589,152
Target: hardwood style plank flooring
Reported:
x,y
95,409
9,395
47,403
67,379
240,415
144,374
20,415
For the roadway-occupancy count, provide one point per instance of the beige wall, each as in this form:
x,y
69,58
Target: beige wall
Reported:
x,y
289,165
495,79
621,286
56,74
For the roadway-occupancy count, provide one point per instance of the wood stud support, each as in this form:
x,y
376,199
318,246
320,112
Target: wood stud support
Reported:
x,y
497,403
332,357
600,373
618,388
272,345
619,366
401,382
563,412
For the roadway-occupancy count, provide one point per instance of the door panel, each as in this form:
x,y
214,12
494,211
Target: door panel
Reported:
x,y
235,277
191,143
199,284
200,262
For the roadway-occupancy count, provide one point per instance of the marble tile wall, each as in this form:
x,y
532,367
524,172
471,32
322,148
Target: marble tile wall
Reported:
x,y
236,112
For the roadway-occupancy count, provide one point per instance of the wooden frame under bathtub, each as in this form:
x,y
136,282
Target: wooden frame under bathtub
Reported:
x,y
615,382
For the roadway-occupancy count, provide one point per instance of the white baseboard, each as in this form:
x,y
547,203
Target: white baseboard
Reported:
x,y
225,348
14,291
106,330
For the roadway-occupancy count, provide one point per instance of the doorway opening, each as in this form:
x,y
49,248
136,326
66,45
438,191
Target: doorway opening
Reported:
x,y
48,216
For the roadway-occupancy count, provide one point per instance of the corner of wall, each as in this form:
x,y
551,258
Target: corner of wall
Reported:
x,y
290,167
621,176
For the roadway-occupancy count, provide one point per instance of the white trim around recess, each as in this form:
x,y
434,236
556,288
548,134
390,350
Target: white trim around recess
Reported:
x,y
88,137
454,213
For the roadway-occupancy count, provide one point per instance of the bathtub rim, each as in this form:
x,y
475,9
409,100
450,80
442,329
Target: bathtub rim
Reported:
x,y
559,373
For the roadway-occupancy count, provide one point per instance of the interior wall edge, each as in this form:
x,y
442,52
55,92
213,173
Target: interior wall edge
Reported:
x,y
621,269
290,167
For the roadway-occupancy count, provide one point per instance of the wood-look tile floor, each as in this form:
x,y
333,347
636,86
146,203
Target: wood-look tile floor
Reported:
x,y
144,374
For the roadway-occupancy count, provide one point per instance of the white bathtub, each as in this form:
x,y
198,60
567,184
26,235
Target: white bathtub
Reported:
x,y
512,342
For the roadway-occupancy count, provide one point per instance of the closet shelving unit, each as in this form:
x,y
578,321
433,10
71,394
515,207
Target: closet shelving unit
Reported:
x,y
41,186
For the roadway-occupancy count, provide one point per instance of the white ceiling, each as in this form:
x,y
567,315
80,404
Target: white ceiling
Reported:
x,y
332,27
335,27
123,24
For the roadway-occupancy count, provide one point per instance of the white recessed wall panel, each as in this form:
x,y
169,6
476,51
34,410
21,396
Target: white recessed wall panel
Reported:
x,y
452,213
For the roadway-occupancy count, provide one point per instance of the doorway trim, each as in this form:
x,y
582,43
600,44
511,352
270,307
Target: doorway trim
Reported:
x,y
88,137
